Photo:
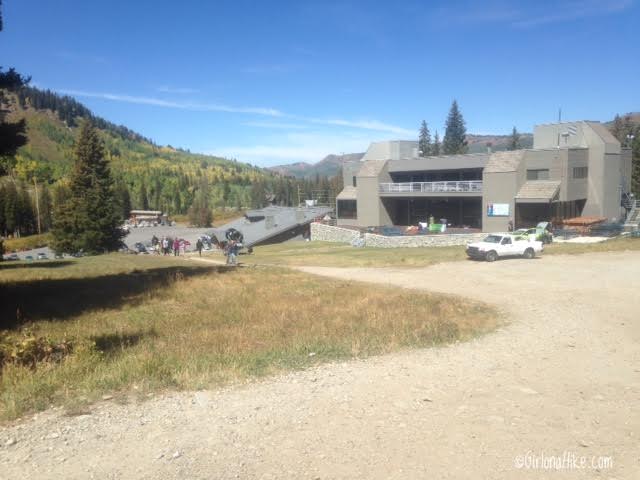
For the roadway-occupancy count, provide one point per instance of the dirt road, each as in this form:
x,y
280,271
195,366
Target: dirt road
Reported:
x,y
561,380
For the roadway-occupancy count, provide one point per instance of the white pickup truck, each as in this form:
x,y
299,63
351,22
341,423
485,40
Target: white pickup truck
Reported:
x,y
499,245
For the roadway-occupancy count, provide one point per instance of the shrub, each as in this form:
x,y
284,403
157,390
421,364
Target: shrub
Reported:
x,y
30,350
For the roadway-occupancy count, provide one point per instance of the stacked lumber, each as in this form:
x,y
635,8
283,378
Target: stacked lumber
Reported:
x,y
583,221
582,225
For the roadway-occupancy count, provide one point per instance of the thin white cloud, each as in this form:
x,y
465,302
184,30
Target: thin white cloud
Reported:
x,y
157,102
81,57
310,147
271,155
372,125
268,69
368,125
177,90
528,14
276,126
575,11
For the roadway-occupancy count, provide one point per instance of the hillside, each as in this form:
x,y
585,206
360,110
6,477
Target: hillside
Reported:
x,y
146,175
632,118
329,166
159,177
478,143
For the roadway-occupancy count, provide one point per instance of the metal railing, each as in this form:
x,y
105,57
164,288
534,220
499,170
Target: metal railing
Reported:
x,y
633,215
463,186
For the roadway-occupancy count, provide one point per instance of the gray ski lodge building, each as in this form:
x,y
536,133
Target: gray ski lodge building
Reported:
x,y
574,169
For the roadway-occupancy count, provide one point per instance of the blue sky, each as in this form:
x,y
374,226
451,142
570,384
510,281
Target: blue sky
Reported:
x,y
278,82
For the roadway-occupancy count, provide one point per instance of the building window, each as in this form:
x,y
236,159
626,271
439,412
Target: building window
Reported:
x,y
538,174
580,172
354,181
347,209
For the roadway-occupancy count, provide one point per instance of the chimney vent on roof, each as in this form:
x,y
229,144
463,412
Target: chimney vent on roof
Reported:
x,y
269,222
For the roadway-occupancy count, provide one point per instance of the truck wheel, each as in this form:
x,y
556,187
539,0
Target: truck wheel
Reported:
x,y
529,254
491,256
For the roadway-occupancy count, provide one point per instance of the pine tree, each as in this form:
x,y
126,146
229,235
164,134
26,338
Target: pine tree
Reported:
x,y
424,140
435,149
618,129
258,193
3,202
123,199
10,207
200,214
143,198
226,192
629,131
25,220
45,207
514,140
455,134
12,134
89,219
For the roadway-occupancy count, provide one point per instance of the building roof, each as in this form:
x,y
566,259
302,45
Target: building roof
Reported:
x,y
603,132
347,193
145,212
283,219
538,190
371,168
391,150
502,162
440,162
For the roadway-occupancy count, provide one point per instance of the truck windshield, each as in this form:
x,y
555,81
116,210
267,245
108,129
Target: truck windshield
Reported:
x,y
493,239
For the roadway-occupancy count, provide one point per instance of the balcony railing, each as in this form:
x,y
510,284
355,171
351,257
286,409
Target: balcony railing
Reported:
x,y
465,186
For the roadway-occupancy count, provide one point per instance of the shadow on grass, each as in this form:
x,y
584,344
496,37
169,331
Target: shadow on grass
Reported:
x,y
114,342
60,299
8,265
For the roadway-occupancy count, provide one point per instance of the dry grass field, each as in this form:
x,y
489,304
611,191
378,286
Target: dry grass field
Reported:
x,y
327,254
74,330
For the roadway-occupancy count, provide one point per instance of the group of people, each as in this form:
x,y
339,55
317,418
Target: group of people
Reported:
x,y
178,246
167,245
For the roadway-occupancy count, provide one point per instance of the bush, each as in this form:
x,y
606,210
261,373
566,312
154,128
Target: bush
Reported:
x,y
30,350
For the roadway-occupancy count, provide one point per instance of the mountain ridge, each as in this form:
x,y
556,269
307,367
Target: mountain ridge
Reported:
x,y
331,164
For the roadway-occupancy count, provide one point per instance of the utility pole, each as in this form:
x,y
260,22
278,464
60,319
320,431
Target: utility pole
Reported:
x,y
559,122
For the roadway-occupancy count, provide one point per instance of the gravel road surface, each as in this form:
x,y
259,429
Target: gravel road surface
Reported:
x,y
562,379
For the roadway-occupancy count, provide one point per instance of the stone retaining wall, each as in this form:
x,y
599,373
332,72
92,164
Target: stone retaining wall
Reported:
x,y
327,233
413,241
